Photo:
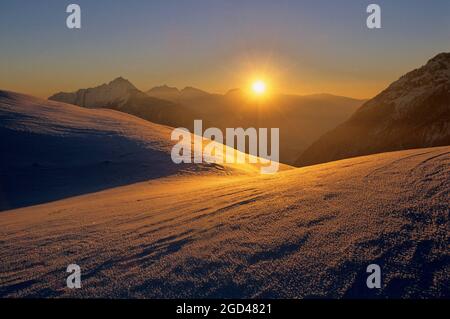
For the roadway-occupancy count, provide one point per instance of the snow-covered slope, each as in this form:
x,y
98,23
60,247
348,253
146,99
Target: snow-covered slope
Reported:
x,y
51,150
308,232
207,230
412,112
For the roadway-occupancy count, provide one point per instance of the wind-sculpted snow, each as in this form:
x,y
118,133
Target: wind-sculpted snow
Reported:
x,y
303,233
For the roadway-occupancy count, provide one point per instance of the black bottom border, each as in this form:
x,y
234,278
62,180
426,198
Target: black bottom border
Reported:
x,y
226,308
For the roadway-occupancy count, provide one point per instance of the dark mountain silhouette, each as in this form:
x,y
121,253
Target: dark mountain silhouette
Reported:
x,y
165,92
175,95
413,112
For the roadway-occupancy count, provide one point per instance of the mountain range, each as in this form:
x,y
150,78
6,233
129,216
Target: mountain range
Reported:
x,y
413,112
301,119
121,95
175,95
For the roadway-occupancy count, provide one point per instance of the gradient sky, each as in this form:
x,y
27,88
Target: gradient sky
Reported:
x,y
302,47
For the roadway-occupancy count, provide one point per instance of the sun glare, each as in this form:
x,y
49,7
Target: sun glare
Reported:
x,y
259,87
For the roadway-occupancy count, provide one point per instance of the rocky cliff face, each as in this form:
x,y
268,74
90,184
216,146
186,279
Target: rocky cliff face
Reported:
x,y
413,112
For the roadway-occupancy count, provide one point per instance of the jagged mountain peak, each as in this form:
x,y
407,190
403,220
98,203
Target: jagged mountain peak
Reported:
x,y
114,92
120,81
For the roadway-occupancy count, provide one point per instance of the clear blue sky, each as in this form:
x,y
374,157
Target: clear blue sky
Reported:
x,y
301,46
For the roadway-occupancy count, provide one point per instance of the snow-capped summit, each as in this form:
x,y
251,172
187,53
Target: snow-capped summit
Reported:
x,y
122,83
413,112
115,92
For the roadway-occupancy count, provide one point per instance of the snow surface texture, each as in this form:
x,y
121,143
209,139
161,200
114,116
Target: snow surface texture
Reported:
x,y
304,233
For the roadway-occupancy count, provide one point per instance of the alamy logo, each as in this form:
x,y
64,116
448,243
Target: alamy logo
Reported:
x,y
374,279
73,21
216,152
374,19
74,280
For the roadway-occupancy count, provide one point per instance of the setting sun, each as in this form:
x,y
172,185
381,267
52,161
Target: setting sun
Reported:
x,y
259,87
